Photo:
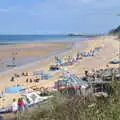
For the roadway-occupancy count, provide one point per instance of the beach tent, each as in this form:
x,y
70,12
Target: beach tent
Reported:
x,y
43,75
72,84
14,89
34,98
31,98
97,49
58,60
54,68
46,76
115,62
38,72
87,54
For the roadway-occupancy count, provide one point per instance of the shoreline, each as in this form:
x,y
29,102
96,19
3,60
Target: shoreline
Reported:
x,y
38,38
100,60
36,62
39,59
58,53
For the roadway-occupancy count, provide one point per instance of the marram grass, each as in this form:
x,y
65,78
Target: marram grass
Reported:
x,y
78,108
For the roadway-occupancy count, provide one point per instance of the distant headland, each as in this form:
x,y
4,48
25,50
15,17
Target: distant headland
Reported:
x,y
84,35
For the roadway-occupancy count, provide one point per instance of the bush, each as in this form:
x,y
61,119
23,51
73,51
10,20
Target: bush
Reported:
x,y
78,108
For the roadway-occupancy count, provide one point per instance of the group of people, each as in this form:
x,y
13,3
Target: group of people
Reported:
x,y
30,80
17,75
19,106
67,59
27,80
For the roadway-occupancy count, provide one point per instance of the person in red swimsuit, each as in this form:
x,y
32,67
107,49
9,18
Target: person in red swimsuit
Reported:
x,y
20,105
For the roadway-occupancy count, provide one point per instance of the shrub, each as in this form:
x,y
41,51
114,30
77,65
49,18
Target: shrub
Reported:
x,y
62,107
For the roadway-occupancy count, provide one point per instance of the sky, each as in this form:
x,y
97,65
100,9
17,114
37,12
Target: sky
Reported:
x,y
58,16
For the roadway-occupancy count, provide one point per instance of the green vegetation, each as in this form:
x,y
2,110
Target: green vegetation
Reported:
x,y
63,107
115,31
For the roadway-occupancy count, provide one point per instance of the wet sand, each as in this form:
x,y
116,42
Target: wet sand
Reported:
x,y
25,53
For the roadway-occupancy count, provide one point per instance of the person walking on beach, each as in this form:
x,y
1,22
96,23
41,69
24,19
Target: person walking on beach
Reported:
x,y
20,105
14,106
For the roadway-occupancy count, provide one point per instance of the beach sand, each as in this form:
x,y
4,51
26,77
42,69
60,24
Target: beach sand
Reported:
x,y
25,53
109,51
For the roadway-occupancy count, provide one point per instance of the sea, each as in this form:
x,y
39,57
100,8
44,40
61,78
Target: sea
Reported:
x,y
11,39
37,38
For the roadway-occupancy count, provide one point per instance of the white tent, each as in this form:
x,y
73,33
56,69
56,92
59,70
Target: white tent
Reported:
x,y
34,98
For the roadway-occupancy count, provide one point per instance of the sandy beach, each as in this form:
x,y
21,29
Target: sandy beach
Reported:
x,y
109,51
25,53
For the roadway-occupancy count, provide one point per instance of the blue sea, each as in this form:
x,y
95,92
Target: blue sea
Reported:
x,y
36,38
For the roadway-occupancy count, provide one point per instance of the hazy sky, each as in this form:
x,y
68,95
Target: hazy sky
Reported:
x,y
58,16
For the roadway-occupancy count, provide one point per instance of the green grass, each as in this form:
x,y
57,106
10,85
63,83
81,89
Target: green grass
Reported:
x,y
63,107
115,31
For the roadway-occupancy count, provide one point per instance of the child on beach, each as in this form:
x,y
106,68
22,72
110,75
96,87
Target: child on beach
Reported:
x,y
25,104
14,106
